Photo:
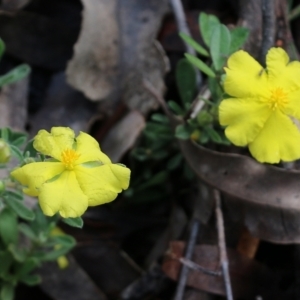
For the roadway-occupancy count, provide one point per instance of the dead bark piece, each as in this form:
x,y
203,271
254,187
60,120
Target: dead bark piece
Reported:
x,y
69,283
115,51
270,205
63,106
123,135
249,278
13,105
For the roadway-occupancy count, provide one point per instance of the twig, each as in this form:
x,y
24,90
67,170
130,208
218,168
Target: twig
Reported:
x,y
183,27
190,264
222,246
181,22
188,255
268,30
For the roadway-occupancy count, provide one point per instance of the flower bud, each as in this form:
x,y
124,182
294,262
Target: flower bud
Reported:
x,y
4,152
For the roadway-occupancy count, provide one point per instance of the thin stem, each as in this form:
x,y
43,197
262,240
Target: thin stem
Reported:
x,y
183,27
222,246
268,30
188,255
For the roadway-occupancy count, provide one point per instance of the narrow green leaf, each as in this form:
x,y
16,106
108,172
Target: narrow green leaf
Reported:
x,y
2,48
25,268
18,253
183,131
16,152
207,24
62,240
160,118
186,80
174,161
8,226
200,65
213,135
14,75
53,255
176,108
74,222
19,208
219,46
190,41
14,194
27,230
239,36
6,260
7,291
32,280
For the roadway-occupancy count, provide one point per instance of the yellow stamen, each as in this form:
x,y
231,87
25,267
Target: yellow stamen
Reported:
x,y
69,156
278,98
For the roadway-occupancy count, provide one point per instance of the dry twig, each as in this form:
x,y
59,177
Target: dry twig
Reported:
x,y
222,246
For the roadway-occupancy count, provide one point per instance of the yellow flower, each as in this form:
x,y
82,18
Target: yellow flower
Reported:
x,y
78,175
264,107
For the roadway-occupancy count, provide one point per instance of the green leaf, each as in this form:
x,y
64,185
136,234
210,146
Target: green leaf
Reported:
x,y
62,240
14,194
190,41
174,161
186,80
53,255
200,65
160,118
32,280
14,75
19,208
17,152
219,46
6,260
207,24
239,36
74,222
26,267
18,253
27,230
2,47
183,131
8,226
7,291
155,180
29,148
176,108
213,135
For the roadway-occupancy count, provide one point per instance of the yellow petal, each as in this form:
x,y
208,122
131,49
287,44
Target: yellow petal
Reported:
x,y
54,143
245,76
293,106
89,150
278,140
35,174
102,184
244,119
63,195
281,73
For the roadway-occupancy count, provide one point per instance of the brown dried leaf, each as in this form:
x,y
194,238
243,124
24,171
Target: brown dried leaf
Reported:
x,y
271,195
115,51
123,135
248,277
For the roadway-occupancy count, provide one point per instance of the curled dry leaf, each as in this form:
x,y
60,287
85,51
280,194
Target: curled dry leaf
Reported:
x,y
249,278
115,51
271,196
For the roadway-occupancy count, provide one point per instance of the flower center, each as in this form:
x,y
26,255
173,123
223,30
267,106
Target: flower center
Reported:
x,y
69,156
278,99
